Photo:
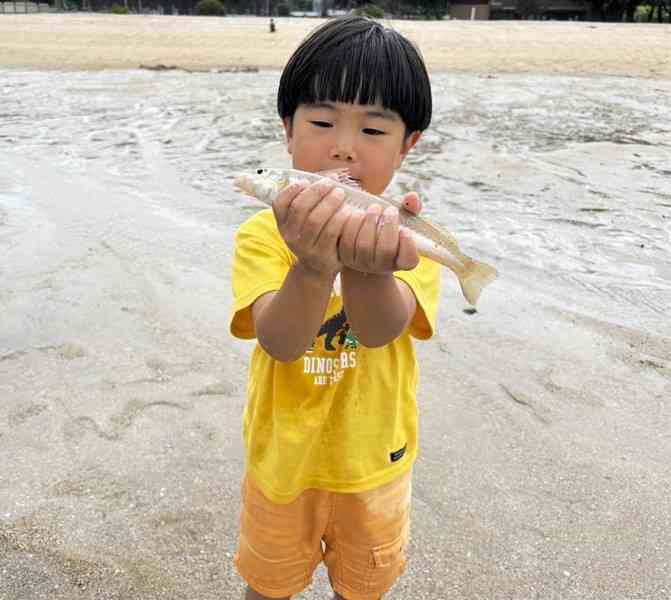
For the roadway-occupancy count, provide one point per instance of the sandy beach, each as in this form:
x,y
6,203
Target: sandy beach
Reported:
x,y
96,41
545,415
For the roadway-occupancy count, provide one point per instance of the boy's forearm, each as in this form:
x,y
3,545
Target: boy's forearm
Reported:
x,y
288,324
377,309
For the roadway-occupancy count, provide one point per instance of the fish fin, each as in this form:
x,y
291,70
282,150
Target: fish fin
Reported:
x,y
341,176
333,172
441,235
430,230
474,278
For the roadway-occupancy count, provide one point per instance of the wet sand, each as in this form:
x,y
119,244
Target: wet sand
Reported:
x,y
544,416
92,41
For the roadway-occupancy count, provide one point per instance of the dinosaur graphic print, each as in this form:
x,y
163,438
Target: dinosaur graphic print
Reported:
x,y
328,370
337,325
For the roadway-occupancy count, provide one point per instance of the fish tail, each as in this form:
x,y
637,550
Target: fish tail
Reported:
x,y
474,277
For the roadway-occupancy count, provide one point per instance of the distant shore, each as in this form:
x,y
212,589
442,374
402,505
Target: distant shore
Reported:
x,y
87,41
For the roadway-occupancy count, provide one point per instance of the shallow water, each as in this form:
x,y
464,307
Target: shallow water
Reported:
x,y
568,177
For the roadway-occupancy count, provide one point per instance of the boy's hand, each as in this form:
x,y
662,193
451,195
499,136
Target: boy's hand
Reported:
x,y
372,242
311,219
412,203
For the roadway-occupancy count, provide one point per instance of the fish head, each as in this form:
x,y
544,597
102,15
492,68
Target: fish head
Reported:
x,y
264,184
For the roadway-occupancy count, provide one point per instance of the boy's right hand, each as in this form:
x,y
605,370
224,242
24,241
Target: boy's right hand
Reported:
x,y
311,218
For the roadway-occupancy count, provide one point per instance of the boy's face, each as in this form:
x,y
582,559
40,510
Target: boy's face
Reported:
x,y
367,139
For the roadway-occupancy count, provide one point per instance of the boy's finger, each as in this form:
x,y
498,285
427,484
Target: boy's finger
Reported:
x,y
386,247
303,204
365,242
412,203
407,258
322,213
283,200
328,238
349,235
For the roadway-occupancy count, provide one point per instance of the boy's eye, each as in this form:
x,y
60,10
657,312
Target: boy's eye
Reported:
x,y
321,123
371,131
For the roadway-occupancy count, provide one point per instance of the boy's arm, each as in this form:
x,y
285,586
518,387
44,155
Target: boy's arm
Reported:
x,y
287,321
310,219
379,306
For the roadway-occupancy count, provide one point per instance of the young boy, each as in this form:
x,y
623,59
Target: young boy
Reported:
x,y
330,425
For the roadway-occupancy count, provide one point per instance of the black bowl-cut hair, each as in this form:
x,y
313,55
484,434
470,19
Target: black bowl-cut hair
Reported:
x,y
355,59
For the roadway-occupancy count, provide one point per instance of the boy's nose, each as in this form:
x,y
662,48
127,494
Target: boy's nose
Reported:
x,y
343,151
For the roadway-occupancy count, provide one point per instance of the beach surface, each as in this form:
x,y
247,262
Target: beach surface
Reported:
x,y
97,41
545,415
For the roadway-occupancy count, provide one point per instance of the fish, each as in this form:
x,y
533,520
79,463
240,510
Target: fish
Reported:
x,y
432,241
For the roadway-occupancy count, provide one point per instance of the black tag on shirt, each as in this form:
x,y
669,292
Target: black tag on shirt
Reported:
x,y
398,455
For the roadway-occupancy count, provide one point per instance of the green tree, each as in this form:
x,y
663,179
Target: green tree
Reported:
x,y
662,8
374,11
210,8
615,10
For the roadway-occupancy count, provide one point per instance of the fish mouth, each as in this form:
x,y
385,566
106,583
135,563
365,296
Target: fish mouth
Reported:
x,y
243,184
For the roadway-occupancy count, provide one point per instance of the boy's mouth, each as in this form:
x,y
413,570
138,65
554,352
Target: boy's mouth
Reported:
x,y
352,179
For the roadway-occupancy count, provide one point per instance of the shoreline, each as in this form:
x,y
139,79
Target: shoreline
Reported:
x,y
94,42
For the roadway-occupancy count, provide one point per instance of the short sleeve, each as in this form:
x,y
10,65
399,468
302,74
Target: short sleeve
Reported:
x,y
260,264
424,281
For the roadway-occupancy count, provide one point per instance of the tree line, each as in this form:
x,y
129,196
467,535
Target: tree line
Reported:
x,y
594,10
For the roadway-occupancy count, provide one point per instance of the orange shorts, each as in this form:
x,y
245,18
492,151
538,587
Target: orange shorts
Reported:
x,y
361,538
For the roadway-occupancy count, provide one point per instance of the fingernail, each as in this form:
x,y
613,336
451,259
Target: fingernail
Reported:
x,y
390,213
338,193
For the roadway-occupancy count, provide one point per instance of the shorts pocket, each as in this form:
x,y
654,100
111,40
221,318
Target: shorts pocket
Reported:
x,y
387,563
387,555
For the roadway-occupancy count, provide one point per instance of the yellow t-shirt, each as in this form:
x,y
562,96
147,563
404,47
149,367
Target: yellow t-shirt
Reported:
x,y
343,417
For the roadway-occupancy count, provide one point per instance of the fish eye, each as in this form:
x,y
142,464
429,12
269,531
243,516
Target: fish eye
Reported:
x,y
259,171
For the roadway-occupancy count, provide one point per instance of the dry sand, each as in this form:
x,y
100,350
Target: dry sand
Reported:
x,y
87,41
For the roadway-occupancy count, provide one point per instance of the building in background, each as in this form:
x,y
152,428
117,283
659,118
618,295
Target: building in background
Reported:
x,y
473,10
539,9
476,10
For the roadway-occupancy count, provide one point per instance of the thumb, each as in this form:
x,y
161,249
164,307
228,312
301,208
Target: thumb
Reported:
x,y
412,203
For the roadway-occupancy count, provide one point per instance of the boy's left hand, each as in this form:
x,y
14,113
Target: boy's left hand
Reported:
x,y
372,242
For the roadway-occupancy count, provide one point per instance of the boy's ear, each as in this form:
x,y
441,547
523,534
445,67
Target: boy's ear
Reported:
x,y
288,132
408,144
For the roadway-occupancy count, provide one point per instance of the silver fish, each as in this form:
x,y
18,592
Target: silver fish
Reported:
x,y
432,242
